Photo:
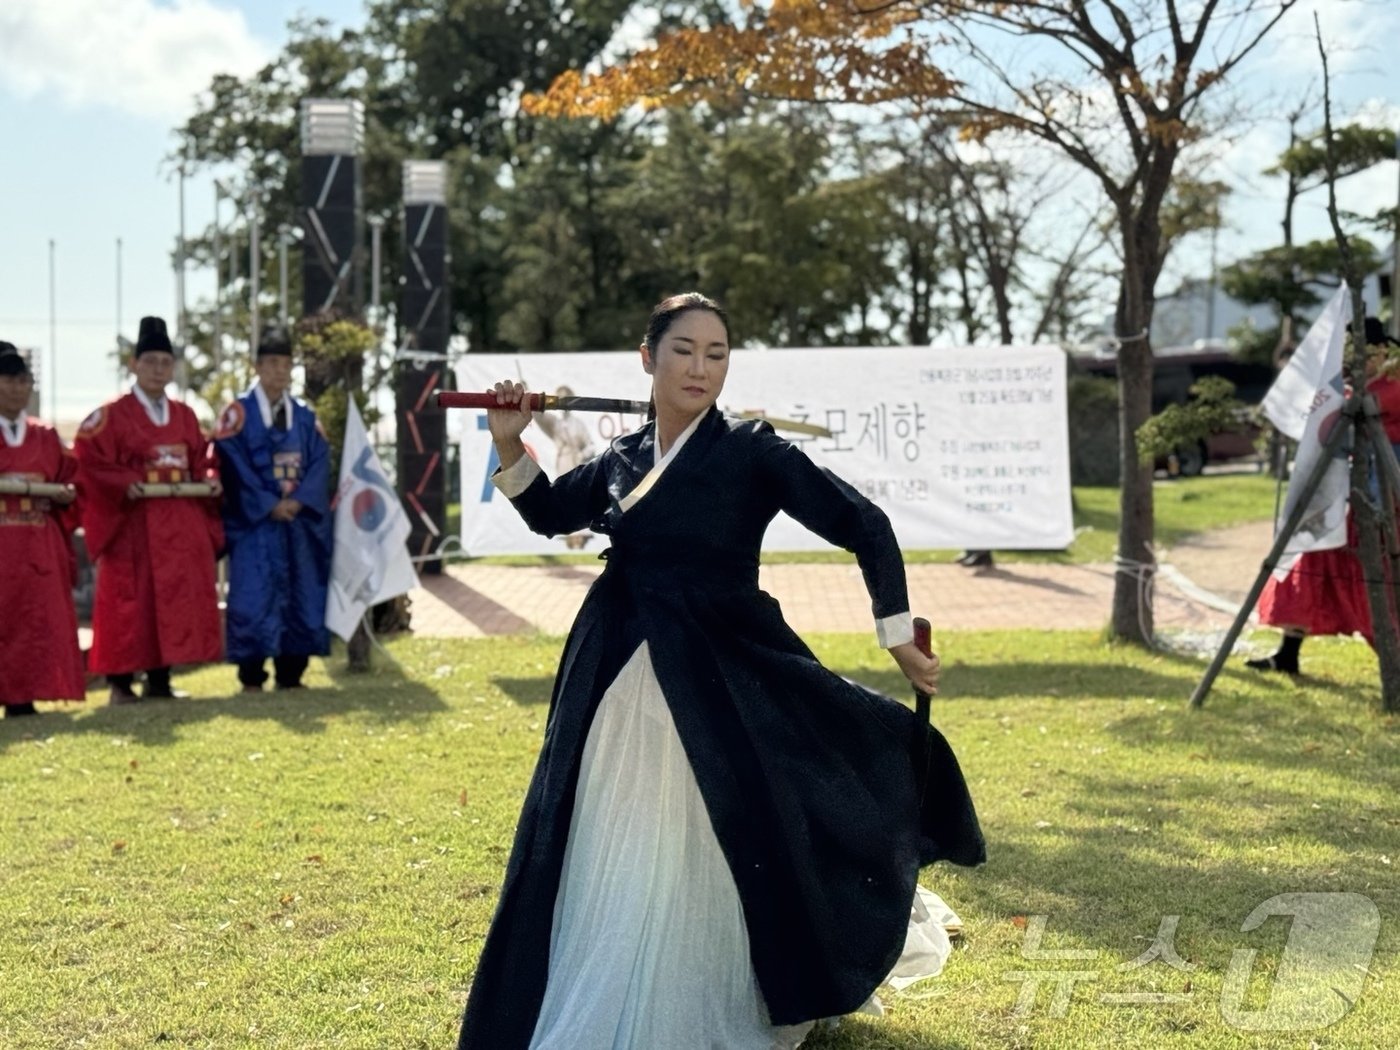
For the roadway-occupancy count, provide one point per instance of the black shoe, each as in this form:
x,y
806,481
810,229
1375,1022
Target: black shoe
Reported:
x,y
15,710
1274,663
289,685
121,695
164,694
980,560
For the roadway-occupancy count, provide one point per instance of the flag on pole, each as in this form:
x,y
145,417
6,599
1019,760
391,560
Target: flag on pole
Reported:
x,y
370,562
1305,402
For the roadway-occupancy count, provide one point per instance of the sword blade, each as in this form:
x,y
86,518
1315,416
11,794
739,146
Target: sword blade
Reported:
x,y
797,426
595,404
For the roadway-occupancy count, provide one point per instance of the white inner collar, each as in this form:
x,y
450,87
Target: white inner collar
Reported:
x,y
157,410
14,430
659,464
266,408
657,458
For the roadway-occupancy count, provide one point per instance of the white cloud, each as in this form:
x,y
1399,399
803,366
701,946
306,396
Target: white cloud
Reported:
x,y
137,56
1356,33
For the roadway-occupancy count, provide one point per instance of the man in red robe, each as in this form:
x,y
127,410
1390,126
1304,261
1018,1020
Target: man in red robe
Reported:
x,y
156,604
39,657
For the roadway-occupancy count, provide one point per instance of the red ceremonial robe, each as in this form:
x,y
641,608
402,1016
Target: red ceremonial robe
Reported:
x,y
1324,592
39,657
156,602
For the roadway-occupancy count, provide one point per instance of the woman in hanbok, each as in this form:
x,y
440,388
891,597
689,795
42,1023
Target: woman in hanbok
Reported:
x,y
721,841
1324,592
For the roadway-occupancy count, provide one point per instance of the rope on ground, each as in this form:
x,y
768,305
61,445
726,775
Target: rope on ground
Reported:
x,y
1143,572
1203,642
1198,642
374,641
445,551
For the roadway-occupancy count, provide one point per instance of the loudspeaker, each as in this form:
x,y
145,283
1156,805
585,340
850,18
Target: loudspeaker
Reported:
x,y
423,300
332,255
422,455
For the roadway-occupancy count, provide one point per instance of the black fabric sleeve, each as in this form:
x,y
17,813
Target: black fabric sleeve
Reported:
x,y
568,503
830,507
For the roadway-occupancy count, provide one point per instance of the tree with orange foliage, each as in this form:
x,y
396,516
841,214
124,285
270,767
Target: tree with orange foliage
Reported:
x,y
1116,86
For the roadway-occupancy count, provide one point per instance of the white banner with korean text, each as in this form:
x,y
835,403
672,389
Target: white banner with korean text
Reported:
x,y
962,448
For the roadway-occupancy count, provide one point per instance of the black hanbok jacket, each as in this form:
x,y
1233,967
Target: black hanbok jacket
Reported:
x,y
808,778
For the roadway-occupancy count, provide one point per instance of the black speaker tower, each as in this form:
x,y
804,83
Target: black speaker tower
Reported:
x,y
332,212
421,366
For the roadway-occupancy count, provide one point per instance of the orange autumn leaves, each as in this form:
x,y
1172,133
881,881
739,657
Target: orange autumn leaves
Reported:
x,y
861,51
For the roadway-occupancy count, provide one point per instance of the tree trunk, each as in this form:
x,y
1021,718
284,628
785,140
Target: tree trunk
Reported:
x,y
1370,522
1132,583
967,309
1001,296
1367,429
919,295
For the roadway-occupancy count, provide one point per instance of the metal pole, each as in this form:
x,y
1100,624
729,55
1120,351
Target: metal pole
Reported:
x,y
120,362
1345,426
1210,302
218,349
376,240
182,336
284,234
52,377
254,268
1395,252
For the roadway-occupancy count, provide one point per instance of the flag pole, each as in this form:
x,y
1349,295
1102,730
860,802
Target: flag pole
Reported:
x,y
1350,411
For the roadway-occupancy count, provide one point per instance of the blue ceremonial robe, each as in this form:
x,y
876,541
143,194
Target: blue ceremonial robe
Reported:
x,y
278,570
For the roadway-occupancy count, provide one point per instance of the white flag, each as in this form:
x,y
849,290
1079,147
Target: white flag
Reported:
x,y
1306,403
1316,362
370,563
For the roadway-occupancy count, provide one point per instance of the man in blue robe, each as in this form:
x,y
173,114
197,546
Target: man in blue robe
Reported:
x,y
275,466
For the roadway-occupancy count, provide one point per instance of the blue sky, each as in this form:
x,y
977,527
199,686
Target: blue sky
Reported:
x,y
90,90
89,93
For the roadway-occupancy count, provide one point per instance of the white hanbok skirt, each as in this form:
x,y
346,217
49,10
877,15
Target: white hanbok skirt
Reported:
x,y
649,948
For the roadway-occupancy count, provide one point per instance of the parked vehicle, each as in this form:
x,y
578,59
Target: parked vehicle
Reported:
x,y
1175,368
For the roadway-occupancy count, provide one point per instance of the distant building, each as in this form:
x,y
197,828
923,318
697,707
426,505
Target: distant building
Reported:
x,y
1198,313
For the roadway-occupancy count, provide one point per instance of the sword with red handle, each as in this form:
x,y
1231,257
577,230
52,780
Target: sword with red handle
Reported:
x,y
542,402
923,640
555,403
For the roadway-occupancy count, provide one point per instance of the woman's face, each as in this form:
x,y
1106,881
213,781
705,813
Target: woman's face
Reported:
x,y
689,364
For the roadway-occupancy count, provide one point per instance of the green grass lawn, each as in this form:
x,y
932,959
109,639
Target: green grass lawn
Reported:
x,y
319,869
1184,507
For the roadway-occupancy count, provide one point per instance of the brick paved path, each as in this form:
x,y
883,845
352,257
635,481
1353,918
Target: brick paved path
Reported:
x,y
1199,588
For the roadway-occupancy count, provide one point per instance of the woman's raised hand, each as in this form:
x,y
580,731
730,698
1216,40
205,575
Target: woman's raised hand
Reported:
x,y
507,424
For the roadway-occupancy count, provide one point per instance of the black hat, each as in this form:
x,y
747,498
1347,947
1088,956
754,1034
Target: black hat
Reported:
x,y
1376,335
12,362
152,337
275,341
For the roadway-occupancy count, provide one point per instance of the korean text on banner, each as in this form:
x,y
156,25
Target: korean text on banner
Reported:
x,y
960,447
